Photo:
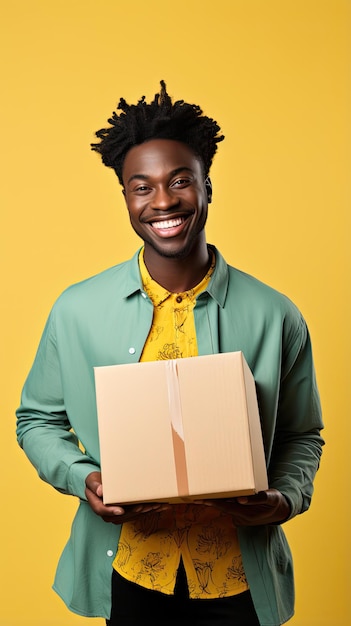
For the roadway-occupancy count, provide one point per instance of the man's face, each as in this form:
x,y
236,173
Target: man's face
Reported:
x,y
166,196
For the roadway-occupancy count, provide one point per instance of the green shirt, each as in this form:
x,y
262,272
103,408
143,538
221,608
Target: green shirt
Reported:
x,y
105,320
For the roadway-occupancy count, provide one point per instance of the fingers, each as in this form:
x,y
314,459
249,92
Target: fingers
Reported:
x,y
265,507
94,493
99,507
150,506
114,513
258,498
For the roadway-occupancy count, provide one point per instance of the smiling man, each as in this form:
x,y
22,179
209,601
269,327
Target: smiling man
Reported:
x,y
216,562
167,199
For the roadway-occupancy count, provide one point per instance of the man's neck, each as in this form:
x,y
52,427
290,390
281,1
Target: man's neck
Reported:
x,y
178,274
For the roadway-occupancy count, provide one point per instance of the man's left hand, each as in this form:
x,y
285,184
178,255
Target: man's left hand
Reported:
x,y
265,507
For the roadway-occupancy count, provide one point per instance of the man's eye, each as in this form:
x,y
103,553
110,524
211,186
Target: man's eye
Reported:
x,y
181,182
141,189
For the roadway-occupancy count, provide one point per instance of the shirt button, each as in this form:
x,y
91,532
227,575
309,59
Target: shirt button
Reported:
x,y
143,294
131,350
109,552
179,299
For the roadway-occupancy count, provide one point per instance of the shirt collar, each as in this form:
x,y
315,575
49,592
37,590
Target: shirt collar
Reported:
x,y
216,289
218,285
159,294
154,290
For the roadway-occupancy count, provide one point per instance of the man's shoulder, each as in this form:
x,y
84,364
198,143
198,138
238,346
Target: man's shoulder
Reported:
x,y
258,293
251,282
114,282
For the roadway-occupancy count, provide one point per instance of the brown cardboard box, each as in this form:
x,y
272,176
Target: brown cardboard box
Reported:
x,y
179,430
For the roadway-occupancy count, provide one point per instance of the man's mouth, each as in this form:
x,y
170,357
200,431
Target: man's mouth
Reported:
x,y
164,224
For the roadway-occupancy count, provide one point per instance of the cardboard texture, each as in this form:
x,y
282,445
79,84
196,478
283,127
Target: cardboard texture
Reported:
x,y
179,430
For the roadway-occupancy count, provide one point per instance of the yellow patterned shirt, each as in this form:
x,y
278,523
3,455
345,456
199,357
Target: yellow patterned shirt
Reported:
x,y
150,548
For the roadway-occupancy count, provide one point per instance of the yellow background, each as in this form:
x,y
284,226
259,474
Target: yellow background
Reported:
x,y
275,75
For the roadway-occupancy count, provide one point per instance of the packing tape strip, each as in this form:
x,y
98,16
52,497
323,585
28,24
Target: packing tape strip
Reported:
x,y
175,412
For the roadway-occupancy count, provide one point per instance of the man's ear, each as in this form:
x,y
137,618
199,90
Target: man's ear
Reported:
x,y
208,186
124,197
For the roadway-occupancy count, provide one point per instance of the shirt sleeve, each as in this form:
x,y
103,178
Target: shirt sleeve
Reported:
x,y
43,428
297,445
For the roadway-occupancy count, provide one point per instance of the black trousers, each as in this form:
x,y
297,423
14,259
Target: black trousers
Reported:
x,y
133,605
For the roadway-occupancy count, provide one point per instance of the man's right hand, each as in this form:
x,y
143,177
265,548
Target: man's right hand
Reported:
x,y
115,513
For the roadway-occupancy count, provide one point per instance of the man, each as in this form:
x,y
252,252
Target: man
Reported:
x,y
211,562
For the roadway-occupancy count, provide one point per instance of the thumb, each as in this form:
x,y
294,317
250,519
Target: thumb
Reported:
x,y
99,491
93,482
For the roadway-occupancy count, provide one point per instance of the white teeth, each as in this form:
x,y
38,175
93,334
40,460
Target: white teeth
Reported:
x,y
168,223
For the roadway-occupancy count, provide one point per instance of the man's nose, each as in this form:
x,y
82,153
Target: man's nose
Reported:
x,y
164,198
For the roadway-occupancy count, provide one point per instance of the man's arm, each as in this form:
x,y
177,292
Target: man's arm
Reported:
x,y
297,443
45,434
43,429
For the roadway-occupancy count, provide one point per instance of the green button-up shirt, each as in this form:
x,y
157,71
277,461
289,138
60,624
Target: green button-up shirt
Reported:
x,y
105,320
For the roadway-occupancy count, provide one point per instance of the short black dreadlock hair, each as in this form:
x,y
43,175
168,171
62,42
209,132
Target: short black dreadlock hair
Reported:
x,y
160,119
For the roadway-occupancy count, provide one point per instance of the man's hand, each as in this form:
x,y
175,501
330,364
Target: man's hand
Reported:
x,y
115,513
265,507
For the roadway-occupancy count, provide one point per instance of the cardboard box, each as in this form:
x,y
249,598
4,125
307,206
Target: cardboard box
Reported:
x,y
179,430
